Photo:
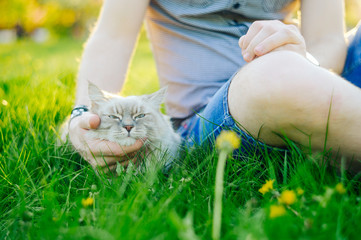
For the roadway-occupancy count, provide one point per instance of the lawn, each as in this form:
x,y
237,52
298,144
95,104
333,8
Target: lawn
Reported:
x,y
48,192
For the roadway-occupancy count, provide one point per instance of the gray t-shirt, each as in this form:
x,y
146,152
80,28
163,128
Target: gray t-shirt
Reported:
x,y
195,45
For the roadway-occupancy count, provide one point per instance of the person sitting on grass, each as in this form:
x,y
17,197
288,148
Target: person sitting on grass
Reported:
x,y
231,65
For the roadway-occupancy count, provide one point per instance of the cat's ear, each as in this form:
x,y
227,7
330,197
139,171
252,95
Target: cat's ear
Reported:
x,y
157,98
96,95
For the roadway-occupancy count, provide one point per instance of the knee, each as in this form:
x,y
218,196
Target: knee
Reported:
x,y
276,78
279,91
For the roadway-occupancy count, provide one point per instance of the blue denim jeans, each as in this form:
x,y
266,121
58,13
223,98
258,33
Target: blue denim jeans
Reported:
x,y
352,69
205,126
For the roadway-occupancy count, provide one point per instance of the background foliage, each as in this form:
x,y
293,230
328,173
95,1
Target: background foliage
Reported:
x,y
59,16
77,16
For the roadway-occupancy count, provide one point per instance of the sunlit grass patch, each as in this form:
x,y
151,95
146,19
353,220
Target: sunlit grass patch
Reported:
x,y
48,191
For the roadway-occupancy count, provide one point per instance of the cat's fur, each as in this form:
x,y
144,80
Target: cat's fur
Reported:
x,y
126,119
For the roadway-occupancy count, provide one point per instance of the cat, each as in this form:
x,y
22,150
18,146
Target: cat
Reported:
x,y
126,119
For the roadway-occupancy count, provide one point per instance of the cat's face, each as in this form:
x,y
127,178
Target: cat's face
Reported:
x,y
125,119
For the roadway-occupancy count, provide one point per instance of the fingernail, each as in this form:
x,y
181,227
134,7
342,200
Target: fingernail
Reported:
x,y
246,56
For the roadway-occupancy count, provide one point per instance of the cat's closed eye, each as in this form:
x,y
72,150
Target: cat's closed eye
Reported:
x,y
114,117
139,116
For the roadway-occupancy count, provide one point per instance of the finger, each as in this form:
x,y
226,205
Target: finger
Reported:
x,y
89,121
252,31
113,167
289,47
107,148
240,41
107,169
248,53
103,161
94,121
274,41
113,160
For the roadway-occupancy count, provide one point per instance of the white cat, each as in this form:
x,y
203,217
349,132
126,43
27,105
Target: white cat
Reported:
x,y
126,119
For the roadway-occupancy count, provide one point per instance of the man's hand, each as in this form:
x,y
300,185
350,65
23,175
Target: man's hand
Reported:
x,y
102,155
266,36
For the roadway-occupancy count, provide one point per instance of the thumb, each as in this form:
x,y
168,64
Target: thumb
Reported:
x,y
240,42
89,121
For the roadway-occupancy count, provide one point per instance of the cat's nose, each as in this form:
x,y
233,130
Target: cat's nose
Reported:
x,y
128,127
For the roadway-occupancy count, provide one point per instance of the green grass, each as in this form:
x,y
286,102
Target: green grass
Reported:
x,y
42,184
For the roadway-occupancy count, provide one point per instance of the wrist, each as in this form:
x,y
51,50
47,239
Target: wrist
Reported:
x,y
78,110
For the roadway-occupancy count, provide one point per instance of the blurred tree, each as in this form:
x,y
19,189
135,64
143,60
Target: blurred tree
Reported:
x,y
75,16
59,16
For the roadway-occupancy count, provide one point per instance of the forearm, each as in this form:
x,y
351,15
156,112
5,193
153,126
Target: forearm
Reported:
x,y
330,52
104,62
109,49
322,25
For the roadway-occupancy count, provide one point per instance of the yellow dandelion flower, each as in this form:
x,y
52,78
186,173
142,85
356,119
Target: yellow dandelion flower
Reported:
x,y
340,188
4,102
277,211
267,186
228,140
87,202
287,197
300,191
